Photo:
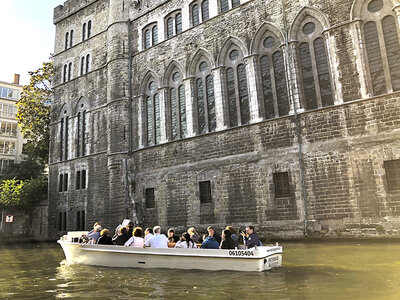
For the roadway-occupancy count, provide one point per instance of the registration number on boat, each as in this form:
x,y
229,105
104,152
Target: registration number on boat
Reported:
x,y
241,253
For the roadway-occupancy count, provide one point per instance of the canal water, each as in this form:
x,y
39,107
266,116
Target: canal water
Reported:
x,y
334,270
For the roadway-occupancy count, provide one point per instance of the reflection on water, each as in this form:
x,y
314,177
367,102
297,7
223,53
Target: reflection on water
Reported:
x,y
309,271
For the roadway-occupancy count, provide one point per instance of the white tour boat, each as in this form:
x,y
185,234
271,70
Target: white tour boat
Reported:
x,y
255,259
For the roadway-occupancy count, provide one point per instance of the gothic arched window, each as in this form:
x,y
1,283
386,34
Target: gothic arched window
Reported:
x,y
152,105
205,98
177,106
273,76
236,87
381,35
315,82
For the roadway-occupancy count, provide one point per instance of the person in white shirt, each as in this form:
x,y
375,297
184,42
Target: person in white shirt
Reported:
x,y
158,240
185,242
148,233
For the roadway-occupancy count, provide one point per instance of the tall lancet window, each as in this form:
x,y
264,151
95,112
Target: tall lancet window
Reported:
x,y
177,106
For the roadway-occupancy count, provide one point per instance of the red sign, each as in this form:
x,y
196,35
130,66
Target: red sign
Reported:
x,y
9,218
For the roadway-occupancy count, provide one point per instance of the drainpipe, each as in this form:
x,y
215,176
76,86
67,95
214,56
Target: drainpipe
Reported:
x,y
296,117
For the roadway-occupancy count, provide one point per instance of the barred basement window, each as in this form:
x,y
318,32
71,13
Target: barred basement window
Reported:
x,y
150,203
80,220
205,191
392,168
236,80
381,35
63,183
205,98
281,184
80,180
315,82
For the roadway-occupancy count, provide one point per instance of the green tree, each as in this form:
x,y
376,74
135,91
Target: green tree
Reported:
x,y
25,170
11,193
34,112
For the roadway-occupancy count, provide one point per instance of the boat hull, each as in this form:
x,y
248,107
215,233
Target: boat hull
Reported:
x,y
256,259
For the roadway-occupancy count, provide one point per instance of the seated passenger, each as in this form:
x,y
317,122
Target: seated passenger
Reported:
x,y
130,228
233,235
158,240
211,232
95,234
210,243
148,233
185,242
250,238
104,238
94,226
122,238
172,237
193,235
227,241
136,240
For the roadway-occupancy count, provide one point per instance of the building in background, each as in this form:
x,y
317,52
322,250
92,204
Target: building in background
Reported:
x,y
276,113
11,139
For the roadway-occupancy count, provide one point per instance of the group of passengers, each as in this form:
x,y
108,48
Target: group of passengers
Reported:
x,y
130,236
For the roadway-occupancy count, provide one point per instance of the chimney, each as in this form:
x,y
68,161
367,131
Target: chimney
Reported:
x,y
16,79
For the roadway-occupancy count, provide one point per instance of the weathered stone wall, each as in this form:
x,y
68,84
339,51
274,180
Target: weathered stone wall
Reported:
x,y
343,147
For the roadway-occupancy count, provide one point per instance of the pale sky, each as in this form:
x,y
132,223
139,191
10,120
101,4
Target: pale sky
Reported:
x,y
26,36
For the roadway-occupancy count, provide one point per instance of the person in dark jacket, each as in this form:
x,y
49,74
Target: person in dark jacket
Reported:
x,y
233,235
172,237
130,229
250,238
211,232
210,243
227,241
104,238
122,238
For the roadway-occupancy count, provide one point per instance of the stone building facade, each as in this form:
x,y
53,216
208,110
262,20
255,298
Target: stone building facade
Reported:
x,y
281,114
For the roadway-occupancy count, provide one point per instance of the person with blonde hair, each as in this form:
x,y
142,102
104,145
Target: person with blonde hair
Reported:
x,y
193,235
104,238
137,238
95,235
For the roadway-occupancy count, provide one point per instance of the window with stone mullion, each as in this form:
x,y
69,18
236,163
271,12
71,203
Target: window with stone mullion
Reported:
x,y
315,78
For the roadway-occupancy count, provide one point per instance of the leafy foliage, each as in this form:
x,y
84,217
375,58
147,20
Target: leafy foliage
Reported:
x,y
34,112
22,194
25,170
11,192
